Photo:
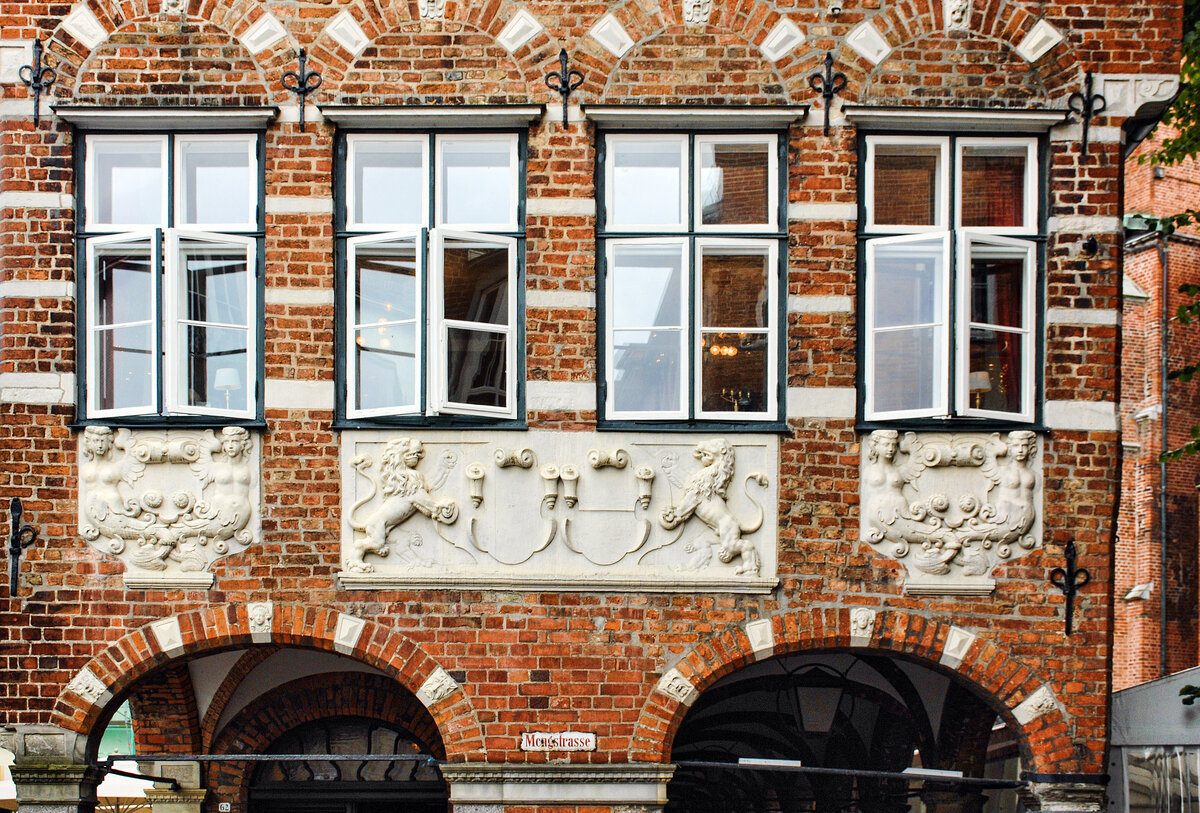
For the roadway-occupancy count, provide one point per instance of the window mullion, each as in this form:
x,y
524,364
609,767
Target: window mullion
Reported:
x,y
162,312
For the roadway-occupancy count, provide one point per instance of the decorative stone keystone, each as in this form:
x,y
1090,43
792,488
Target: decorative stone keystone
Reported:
x,y
1040,702
437,687
762,636
958,642
673,684
862,626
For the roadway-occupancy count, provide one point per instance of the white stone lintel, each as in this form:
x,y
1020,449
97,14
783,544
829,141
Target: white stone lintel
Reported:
x,y
560,396
1080,316
290,113
36,200
821,402
572,206
1081,416
299,205
570,300
299,296
287,393
36,289
820,304
1072,131
37,388
822,211
1084,224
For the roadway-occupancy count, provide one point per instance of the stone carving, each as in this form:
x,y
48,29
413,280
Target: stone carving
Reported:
x,y
1128,94
761,635
696,12
406,491
951,507
862,626
617,459
437,687
197,502
1040,702
431,9
524,458
957,14
87,685
673,684
585,517
958,643
704,497
260,614
174,6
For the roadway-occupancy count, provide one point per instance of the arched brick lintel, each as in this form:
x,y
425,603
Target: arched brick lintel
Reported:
x,y
1000,680
138,653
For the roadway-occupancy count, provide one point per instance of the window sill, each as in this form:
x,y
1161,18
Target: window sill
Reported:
x,y
951,425
430,422
694,427
169,422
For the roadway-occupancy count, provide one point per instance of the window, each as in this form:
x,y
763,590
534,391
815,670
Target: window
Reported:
x,y
171,239
693,247
951,229
431,242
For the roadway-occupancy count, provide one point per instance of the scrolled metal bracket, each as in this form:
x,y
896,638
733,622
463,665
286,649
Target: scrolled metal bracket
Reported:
x,y
565,82
1087,105
1069,580
302,83
828,85
37,78
21,538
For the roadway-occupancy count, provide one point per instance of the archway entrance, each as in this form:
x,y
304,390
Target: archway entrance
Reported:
x,y
851,723
381,769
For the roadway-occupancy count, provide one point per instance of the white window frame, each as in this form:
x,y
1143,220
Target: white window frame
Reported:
x,y
439,383
771,330
92,186
941,381
771,141
685,294
352,143
1030,196
252,188
94,247
514,191
1028,250
941,205
174,295
681,139
350,326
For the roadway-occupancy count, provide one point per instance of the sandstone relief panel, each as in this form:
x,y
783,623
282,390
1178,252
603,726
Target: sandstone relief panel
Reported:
x,y
611,511
951,507
168,503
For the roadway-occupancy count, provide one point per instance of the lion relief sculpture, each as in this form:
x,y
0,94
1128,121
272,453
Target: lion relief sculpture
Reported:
x,y
704,497
405,490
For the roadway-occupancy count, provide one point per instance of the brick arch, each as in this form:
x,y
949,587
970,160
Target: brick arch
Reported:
x,y
244,666
1003,682
472,25
122,664
229,17
307,700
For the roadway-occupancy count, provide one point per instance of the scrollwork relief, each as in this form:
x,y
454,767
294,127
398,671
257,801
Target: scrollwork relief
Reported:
x,y
199,499
651,509
950,507
697,12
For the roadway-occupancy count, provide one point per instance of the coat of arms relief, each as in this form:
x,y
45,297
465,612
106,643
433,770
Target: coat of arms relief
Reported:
x,y
561,509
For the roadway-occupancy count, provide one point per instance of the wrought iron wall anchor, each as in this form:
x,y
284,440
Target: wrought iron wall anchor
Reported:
x,y
828,85
565,82
22,537
302,83
37,78
1086,105
1069,580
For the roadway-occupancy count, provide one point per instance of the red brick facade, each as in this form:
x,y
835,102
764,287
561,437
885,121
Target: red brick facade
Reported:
x,y
532,658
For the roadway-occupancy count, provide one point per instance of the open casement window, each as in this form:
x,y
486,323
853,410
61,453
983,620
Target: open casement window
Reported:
x,y
432,251
692,253
950,278
171,242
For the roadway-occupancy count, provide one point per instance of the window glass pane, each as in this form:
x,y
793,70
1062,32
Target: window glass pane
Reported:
x,y
475,282
907,281
477,182
389,183
216,367
993,186
735,292
734,372
646,285
997,286
646,179
477,367
733,183
125,357
216,179
216,283
994,380
386,366
646,371
124,286
906,185
904,369
127,181
386,289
